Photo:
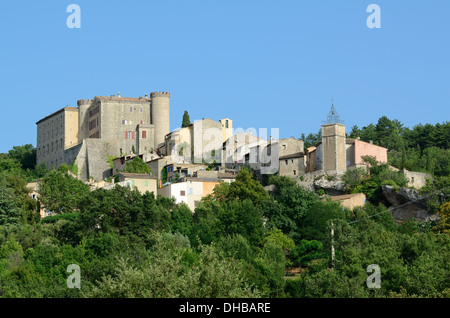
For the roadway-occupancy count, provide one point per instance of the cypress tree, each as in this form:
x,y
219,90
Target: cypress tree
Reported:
x,y
186,120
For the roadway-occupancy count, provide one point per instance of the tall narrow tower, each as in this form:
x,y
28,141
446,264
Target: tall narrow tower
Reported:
x,y
227,128
160,115
333,143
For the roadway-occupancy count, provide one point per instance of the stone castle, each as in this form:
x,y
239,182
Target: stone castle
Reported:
x,y
100,129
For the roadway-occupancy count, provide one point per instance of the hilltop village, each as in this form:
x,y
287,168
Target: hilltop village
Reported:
x,y
102,135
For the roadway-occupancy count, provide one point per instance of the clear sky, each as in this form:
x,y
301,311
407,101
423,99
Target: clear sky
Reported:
x,y
264,64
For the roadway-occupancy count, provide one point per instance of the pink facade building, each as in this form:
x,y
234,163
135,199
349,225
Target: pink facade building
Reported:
x,y
356,149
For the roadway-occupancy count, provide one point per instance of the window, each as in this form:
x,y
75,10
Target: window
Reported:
x,y
292,160
182,193
144,134
226,123
131,109
412,179
191,191
141,110
286,162
142,122
146,183
295,172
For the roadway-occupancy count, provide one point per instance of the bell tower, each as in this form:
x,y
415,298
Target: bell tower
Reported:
x,y
333,143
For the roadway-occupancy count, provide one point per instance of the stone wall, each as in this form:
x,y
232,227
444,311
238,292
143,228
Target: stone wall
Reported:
x,y
416,179
333,143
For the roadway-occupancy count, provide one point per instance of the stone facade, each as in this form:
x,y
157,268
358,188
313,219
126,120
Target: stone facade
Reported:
x,y
103,126
416,179
195,143
56,133
333,143
292,165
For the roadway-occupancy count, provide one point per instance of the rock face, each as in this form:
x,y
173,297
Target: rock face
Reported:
x,y
407,204
332,187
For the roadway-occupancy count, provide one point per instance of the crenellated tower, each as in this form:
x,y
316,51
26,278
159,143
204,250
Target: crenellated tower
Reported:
x,y
160,116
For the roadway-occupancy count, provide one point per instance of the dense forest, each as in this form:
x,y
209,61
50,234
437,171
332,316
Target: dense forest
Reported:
x,y
241,241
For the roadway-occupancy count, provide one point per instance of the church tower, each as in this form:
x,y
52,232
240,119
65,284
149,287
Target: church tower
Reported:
x,y
333,144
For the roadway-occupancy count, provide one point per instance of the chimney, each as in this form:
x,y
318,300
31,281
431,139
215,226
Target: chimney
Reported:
x,y
118,94
358,138
371,141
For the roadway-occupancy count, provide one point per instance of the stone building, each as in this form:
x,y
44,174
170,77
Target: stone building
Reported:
x,y
100,128
189,192
199,142
416,180
55,134
356,149
281,156
349,201
292,165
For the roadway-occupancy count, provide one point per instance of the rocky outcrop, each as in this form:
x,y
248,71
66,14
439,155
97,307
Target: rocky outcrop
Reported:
x,y
407,204
330,185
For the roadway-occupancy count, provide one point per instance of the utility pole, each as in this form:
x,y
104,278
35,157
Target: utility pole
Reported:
x,y
332,246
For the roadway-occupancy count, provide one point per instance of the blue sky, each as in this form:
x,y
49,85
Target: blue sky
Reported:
x,y
264,64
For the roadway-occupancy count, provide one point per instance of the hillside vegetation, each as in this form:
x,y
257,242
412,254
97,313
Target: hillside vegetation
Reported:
x,y
239,242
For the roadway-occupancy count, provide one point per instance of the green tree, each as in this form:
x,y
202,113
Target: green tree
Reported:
x,y
443,225
62,193
186,120
170,265
308,251
25,155
137,165
10,212
245,187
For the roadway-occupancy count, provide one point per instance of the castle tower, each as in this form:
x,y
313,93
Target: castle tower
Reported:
x,y
83,106
333,144
160,115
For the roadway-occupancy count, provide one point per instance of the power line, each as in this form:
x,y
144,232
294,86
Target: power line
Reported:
x,y
401,205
